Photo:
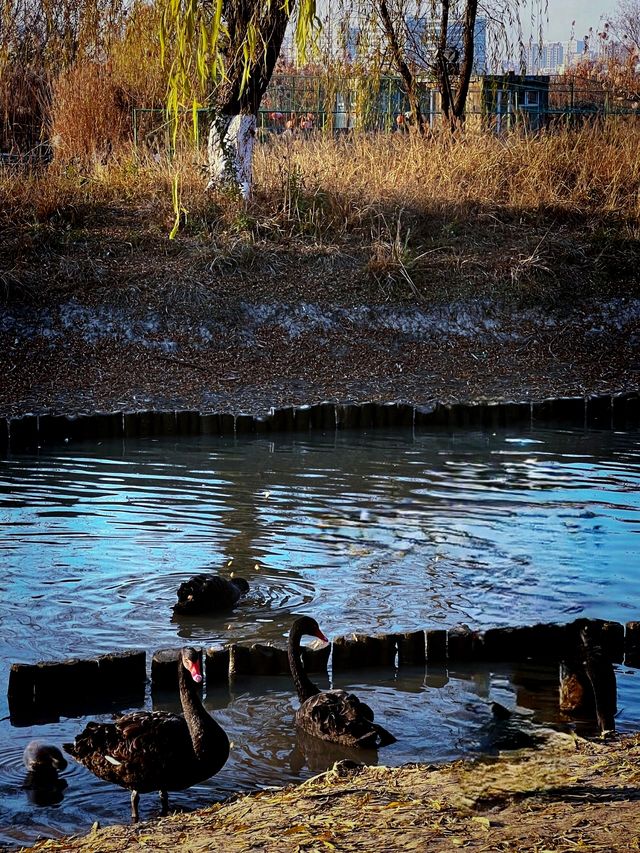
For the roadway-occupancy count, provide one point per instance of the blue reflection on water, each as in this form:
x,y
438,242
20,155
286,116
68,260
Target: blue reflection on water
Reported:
x,y
368,532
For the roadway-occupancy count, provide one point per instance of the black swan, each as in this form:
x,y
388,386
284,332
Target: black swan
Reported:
x,y
334,715
155,750
587,677
207,593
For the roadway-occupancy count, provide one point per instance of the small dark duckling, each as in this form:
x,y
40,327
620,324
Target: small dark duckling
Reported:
x,y
43,762
208,593
43,758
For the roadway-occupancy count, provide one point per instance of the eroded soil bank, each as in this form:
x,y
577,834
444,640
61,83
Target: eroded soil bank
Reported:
x,y
99,311
569,795
235,355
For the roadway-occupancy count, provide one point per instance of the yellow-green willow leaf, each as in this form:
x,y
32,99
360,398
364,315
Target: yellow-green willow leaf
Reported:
x,y
193,39
194,114
175,193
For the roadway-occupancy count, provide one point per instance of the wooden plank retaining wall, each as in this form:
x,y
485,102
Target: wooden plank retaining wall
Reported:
x,y
44,691
611,411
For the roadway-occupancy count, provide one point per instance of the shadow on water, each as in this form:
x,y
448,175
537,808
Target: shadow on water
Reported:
x,y
319,755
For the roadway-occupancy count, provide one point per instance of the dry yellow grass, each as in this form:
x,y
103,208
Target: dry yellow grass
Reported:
x,y
592,169
341,184
528,214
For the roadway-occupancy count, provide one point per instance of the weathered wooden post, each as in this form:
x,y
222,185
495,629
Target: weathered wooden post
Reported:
x,y
164,668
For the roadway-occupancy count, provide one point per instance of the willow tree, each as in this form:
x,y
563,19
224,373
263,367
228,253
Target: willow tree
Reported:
x,y
222,54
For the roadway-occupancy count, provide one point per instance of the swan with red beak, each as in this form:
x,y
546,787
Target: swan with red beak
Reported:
x,y
333,715
155,750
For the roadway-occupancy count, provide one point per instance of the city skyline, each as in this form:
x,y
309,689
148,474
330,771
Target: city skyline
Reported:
x,y
558,23
565,22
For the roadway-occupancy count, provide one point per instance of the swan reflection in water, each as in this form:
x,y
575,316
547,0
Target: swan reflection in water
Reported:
x,y
320,755
43,785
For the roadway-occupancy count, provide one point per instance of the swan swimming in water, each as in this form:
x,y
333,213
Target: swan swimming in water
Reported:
x,y
333,715
209,593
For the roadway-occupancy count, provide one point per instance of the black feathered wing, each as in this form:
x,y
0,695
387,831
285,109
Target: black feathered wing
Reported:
x,y
144,751
205,593
341,717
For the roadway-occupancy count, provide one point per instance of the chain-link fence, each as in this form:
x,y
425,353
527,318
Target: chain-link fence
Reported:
x,y
303,104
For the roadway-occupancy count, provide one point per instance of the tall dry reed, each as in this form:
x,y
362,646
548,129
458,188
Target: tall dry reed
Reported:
x,y
52,51
90,117
330,187
594,169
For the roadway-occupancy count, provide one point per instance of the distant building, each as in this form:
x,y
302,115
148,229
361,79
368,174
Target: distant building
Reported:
x,y
353,37
574,51
556,57
609,49
424,35
545,58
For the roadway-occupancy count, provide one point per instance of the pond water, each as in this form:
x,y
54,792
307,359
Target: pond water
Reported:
x,y
371,532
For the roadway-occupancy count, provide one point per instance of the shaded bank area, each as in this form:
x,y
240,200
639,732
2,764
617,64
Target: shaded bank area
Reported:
x,y
570,794
239,356
367,269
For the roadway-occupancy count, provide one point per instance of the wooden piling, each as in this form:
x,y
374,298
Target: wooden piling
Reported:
x,y
164,668
316,660
463,644
360,650
436,645
257,659
412,648
122,673
217,665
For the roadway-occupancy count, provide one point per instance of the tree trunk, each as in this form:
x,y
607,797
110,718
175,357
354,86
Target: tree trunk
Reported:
x,y
454,100
236,103
466,70
442,71
403,69
230,149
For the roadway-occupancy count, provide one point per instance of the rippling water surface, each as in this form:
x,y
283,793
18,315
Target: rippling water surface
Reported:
x,y
367,532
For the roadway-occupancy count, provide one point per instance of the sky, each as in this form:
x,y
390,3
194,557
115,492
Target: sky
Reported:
x,y
558,24
586,13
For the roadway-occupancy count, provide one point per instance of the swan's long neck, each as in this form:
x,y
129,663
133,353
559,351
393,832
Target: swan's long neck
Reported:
x,y
205,733
305,687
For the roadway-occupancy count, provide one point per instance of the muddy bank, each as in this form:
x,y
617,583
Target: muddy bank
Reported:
x,y
235,356
571,794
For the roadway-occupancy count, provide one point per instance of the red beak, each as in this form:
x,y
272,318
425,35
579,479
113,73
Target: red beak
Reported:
x,y
194,669
321,636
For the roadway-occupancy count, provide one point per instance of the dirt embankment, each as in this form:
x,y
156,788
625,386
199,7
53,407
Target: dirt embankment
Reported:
x,y
237,355
110,315
569,795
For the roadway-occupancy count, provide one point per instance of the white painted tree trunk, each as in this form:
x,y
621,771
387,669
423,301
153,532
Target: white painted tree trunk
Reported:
x,y
231,142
